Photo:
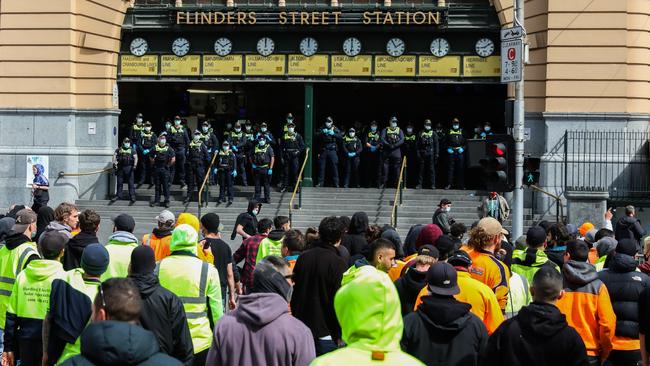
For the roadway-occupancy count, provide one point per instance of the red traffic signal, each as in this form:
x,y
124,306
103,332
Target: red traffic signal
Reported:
x,y
498,149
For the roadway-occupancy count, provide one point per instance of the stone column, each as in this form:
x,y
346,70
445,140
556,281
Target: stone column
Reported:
x,y
586,206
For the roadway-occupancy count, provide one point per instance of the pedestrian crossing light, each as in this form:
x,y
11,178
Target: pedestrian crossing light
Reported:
x,y
531,171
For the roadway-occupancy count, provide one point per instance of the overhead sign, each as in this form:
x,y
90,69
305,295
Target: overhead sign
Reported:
x,y
317,65
351,66
511,54
222,65
439,66
273,65
394,66
139,66
476,66
171,65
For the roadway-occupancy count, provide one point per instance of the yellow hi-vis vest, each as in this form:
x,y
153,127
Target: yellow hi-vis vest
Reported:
x,y
120,258
31,294
12,262
196,283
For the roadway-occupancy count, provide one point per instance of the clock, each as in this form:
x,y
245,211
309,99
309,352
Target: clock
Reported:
x,y
222,46
265,46
484,47
308,46
395,47
439,47
139,46
180,46
352,46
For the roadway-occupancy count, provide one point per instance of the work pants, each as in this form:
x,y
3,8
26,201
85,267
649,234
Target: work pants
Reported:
x,y
225,185
351,169
427,165
261,177
178,169
328,158
125,174
290,170
162,182
391,161
456,170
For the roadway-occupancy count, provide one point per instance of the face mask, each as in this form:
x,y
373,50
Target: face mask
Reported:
x,y
162,142
237,129
126,145
409,130
393,124
197,137
289,120
147,129
447,209
33,234
487,128
225,147
229,125
262,142
138,120
290,129
455,127
205,128
351,134
263,129
177,122
373,128
328,124
168,125
255,212
427,127
248,128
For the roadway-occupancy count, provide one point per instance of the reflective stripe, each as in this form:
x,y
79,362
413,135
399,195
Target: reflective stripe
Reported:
x,y
191,315
202,284
22,258
5,292
8,280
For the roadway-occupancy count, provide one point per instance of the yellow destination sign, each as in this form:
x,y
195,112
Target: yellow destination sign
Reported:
x,y
171,65
227,65
394,66
351,66
259,65
139,66
439,66
316,65
475,66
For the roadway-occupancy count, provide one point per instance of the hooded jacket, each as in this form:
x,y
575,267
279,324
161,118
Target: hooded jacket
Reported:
x,y
355,240
368,309
75,247
587,307
441,218
163,314
119,247
159,240
6,223
271,245
443,331
527,262
628,227
408,287
247,220
538,335
389,233
44,216
57,226
111,343
261,332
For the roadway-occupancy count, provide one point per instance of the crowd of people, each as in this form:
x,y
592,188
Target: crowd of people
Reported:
x,y
345,293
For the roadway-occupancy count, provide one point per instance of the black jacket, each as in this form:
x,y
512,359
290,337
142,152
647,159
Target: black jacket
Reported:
x,y
75,247
163,314
110,343
408,287
441,218
629,228
538,335
444,332
625,286
412,238
355,240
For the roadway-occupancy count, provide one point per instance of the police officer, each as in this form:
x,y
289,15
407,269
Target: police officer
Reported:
x,y
163,159
427,150
179,139
392,139
289,119
147,143
238,144
372,161
262,162
487,131
264,131
456,157
226,172
197,154
291,147
209,139
352,148
135,135
227,131
329,136
409,149
125,160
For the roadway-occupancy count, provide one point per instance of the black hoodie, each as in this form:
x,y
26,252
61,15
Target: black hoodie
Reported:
x,y
75,247
247,220
408,287
628,227
163,314
355,240
443,331
538,335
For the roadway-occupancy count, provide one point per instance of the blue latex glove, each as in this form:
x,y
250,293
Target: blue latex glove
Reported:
x,y
373,148
270,171
209,151
351,154
234,148
146,151
450,150
234,174
331,132
326,131
461,150
254,166
215,171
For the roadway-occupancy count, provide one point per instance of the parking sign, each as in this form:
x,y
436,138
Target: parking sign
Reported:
x,y
511,54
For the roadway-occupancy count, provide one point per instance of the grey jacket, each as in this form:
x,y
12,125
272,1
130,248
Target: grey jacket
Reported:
x,y
441,218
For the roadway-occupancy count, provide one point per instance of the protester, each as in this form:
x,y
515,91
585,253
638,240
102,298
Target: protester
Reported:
x,y
246,223
120,245
556,243
355,240
527,262
539,334
518,296
411,239
66,219
293,244
443,330
223,261
40,187
248,252
441,216
381,255
272,244
644,325
45,215
162,312
413,280
6,223
114,338
203,251
629,227
261,330
456,233
390,233
317,276
496,206
89,222
161,236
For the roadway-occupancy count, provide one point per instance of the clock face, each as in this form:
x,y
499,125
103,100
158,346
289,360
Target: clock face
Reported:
x,y
139,46
181,47
395,47
484,47
352,46
308,46
265,46
222,46
439,47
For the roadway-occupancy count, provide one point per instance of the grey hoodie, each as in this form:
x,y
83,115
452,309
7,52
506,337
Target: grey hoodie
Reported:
x,y
122,237
266,334
57,226
578,274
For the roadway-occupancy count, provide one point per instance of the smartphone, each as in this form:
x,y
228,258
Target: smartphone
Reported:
x,y
640,259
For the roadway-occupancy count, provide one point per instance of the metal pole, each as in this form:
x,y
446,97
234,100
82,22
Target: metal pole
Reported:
x,y
518,134
309,131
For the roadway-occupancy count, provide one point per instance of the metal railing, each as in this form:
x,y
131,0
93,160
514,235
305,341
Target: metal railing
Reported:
x,y
398,194
298,186
205,180
63,174
559,208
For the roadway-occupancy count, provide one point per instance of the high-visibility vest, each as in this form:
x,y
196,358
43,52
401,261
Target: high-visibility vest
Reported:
x,y
120,258
195,282
160,246
12,262
30,298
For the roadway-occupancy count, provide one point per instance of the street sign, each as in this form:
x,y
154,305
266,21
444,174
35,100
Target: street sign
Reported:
x,y
511,54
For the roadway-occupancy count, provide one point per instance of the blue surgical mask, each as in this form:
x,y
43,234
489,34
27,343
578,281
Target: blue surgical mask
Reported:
x,y
225,147
168,125
373,128
393,124
162,142
147,129
351,134
409,130
197,137
238,129
255,212
427,127
487,128
455,126
138,120
177,122
263,129
205,128
328,124
228,126
262,142
290,129
126,145
248,128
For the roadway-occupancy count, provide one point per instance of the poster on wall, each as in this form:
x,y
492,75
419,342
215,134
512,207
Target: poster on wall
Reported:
x,y
33,160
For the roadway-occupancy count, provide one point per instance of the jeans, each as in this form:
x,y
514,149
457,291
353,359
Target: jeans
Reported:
x,y
324,346
624,358
2,339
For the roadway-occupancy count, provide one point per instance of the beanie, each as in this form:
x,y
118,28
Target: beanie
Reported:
x,y
626,246
143,260
429,235
211,222
184,237
94,259
584,228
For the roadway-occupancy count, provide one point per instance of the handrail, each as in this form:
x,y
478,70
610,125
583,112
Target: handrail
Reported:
x,y
64,174
559,209
298,183
393,215
205,179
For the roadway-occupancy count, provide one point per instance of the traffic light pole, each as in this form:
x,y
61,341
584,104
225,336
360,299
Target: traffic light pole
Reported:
x,y
518,134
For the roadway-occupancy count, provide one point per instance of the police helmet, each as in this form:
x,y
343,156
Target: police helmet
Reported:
x,y
263,124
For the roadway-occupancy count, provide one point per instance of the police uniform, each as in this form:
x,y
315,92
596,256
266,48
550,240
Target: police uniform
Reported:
x,y
227,131
238,144
197,154
456,158
226,171
291,147
352,149
136,135
262,163
179,140
427,149
210,141
249,145
147,144
126,160
163,159
372,160
270,140
409,149
392,139
329,138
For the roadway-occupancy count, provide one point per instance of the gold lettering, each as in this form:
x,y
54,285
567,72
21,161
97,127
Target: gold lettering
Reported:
x,y
282,17
229,18
434,18
293,17
366,17
179,17
206,18
314,18
252,18
408,17
399,16
241,17
219,17
336,16
377,14
422,19
388,18
196,17
324,18
304,18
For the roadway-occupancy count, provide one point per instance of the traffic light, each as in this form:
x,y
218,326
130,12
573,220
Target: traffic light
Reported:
x,y
531,171
498,164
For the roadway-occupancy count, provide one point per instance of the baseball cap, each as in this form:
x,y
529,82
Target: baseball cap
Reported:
x,y
165,216
535,236
491,226
460,258
24,218
590,236
444,201
124,222
211,222
51,243
429,250
626,246
442,279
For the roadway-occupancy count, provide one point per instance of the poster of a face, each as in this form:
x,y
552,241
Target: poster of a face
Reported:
x,y
34,164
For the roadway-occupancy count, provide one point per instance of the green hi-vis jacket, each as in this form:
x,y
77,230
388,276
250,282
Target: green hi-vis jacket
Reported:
x,y
527,262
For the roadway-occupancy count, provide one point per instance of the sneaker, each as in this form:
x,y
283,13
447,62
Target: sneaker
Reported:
x,y
151,203
419,186
283,189
229,202
114,199
166,204
131,202
382,186
150,186
448,186
183,185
